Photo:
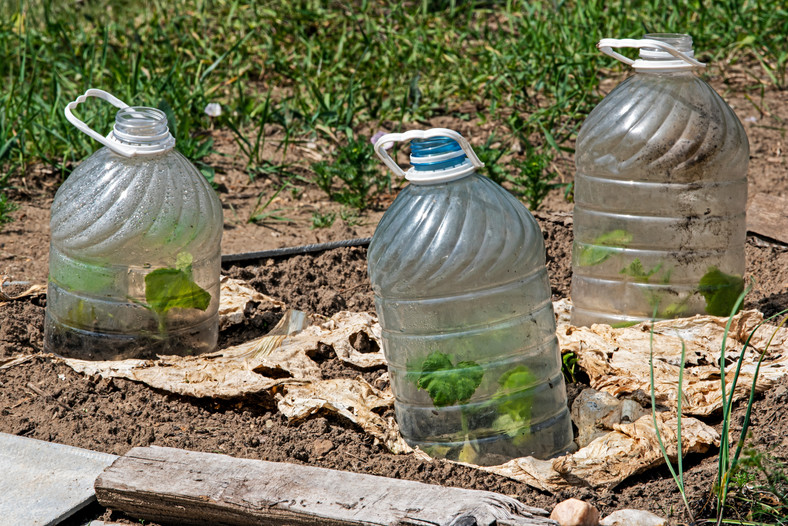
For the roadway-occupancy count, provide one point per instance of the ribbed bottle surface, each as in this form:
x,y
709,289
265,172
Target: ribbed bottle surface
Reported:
x,y
461,290
134,259
660,197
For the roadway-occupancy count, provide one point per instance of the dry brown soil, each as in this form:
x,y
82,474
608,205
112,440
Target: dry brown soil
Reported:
x,y
114,416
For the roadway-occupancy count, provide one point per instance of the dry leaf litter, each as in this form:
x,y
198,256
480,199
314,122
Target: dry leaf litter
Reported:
x,y
619,438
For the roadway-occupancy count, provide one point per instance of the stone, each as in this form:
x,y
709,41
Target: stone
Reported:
x,y
575,512
633,518
594,413
321,446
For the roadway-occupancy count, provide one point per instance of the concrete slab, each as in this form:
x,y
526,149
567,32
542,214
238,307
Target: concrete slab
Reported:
x,y
44,483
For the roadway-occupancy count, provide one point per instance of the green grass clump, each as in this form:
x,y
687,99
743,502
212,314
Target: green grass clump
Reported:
x,y
759,489
355,166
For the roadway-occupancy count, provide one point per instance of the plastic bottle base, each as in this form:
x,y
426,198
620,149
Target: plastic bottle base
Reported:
x,y
71,342
553,438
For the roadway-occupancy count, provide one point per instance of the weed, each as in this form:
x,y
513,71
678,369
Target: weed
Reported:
x,y
532,180
357,172
569,367
760,485
323,220
261,213
331,67
6,207
491,157
350,217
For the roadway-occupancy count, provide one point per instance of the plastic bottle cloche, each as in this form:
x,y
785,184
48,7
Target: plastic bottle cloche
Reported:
x,y
457,266
660,194
135,254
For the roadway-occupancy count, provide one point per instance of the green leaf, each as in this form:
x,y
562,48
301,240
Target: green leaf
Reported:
x,y
597,252
513,404
721,291
171,288
81,276
183,261
447,383
513,382
636,270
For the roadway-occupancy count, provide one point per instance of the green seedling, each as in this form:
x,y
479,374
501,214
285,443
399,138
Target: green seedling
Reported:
x,y
569,366
350,217
636,271
491,157
447,383
533,180
174,288
6,207
603,247
514,407
720,291
320,220
261,212
83,277
353,176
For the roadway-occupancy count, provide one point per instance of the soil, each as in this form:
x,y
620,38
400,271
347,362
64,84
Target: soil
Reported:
x,y
114,416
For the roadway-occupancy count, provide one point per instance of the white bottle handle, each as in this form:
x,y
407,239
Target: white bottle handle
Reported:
x,y
408,136
606,44
81,126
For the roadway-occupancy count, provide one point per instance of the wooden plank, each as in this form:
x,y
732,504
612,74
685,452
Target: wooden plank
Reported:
x,y
170,485
767,216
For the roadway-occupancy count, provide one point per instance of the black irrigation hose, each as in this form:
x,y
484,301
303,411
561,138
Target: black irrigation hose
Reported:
x,y
249,257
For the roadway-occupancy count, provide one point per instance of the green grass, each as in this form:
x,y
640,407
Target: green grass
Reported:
x,y
325,69
735,474
759,490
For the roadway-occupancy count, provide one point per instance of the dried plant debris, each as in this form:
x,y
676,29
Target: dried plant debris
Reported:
x,y
236,297
354,399
8,289
628,449
619,440
617,360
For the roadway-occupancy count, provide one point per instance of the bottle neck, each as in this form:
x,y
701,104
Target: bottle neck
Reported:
x,y
437,160
655,60
142,127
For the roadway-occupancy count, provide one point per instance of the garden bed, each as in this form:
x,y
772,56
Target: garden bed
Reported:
x,y
45,399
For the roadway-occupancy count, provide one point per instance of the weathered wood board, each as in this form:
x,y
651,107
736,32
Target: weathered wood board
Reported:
x,y
169,485
767,216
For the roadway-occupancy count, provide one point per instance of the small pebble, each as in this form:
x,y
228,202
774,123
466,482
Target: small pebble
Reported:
x,y
574,512
321,446
633,518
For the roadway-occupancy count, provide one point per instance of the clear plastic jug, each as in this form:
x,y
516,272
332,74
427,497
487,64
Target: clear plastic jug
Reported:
x,y
135,254
457,266
660,194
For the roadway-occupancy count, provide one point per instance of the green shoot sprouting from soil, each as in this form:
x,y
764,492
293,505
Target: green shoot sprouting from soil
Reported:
x,y
677,477
727,464
448,384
